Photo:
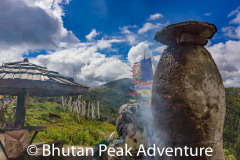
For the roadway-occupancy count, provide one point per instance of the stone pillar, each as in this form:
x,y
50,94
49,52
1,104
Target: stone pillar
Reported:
x,y
188,99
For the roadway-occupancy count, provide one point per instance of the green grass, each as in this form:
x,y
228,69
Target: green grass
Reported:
x,y
67,127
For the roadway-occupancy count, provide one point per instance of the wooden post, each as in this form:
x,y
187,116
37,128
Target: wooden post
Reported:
x,y
98,109
79,107
69,103
84,106
88,108
20,111
93,110
63,102
76,107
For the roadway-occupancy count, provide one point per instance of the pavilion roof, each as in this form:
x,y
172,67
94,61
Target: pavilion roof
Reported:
x,y
37,80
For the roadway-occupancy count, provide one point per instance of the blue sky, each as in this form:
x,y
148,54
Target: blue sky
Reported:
x,y
102,38
108,15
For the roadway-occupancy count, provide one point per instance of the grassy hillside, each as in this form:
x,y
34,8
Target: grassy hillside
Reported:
x,y
62,125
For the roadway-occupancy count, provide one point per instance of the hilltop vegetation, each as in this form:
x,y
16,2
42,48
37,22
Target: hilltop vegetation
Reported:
x,y
111,96
115,93
61,125
231,132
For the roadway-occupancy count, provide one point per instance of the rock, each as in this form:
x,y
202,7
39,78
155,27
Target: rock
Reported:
x,y
188,99
191,32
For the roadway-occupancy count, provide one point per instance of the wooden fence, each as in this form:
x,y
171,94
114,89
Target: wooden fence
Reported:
x,y
80,107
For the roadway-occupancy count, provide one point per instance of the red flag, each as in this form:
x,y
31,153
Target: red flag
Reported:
x,y
131,94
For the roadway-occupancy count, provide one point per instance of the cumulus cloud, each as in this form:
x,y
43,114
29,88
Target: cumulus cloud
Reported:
x,y
131,39
12,53
28,25
103,44
92,67
208,14
92,35
160,49
130,36
137,53
126,29
233,31
236,13
226,55
31,25
52,7
155,16
23,24
150,26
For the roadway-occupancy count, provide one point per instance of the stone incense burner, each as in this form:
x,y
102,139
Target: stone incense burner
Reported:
x,y
188,101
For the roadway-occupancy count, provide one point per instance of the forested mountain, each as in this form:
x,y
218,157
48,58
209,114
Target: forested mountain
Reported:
x,y
113,94
231,132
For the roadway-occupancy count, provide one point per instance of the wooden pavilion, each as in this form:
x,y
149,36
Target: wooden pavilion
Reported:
x,y
20,78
